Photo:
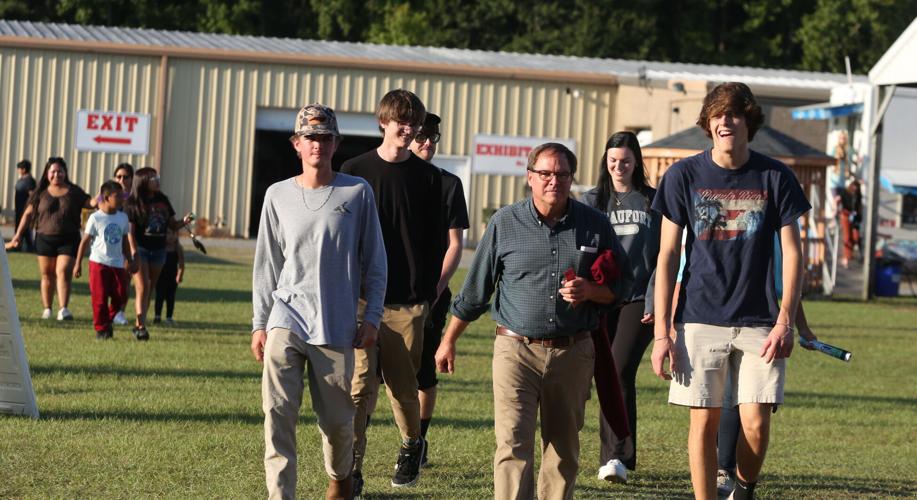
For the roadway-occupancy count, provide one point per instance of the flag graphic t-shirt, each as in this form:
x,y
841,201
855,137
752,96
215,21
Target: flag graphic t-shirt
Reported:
x,y
731,217
728,214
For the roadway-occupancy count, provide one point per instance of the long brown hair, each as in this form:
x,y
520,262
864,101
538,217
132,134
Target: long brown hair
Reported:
x,y
43,183
604,186
141,193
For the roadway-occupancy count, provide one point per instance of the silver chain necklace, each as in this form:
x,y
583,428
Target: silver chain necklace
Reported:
x,y
302,193
619,201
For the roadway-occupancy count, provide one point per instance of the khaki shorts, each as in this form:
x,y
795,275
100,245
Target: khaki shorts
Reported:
x,y
706,354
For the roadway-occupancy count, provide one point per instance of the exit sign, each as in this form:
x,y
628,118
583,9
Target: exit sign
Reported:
x,y
112,132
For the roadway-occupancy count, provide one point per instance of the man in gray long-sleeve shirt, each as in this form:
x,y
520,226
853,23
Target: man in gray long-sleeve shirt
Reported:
x,y
319,243
543,352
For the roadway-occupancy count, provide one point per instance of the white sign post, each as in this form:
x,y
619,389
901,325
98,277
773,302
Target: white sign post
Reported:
x,y
112,132
506,154
16,394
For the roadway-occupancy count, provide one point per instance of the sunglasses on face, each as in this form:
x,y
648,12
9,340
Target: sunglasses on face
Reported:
x,y
547,175
423,137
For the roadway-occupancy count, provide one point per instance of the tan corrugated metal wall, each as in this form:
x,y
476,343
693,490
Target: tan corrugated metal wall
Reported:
x,y
40,94
210,124
211,106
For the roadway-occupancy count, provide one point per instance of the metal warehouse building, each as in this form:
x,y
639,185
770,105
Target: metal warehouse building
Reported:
x,y
221,107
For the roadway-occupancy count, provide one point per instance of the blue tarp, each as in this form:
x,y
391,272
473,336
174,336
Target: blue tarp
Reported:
x,y
890,186
825,111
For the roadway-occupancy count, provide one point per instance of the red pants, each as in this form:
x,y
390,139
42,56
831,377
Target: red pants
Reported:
x,y
106,282
847,234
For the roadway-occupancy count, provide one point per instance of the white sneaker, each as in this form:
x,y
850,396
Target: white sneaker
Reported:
x,y
64,314
614,471
46,314
725,484
119,319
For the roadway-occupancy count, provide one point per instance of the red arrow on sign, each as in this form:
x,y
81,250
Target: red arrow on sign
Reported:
x,y
114,140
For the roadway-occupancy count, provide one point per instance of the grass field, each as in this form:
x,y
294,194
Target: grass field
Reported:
x,y
179,416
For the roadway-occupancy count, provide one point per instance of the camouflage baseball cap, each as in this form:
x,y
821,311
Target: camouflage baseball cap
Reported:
x,y
316,119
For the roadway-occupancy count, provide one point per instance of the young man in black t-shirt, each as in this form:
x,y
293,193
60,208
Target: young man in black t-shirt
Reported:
x,y
455,218
408,195
732,201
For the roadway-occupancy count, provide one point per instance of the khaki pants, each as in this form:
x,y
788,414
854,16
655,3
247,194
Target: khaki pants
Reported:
x,y
398,354
529,378
330,374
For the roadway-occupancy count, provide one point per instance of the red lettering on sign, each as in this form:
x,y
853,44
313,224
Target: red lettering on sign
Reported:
x,y
114,140
91,120
131,121
502,150
106,122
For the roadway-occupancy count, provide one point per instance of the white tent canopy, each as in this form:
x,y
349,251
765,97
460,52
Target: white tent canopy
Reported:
x,y
897,66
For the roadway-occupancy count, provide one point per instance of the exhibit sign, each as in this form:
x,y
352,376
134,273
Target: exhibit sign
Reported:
x,y
507,154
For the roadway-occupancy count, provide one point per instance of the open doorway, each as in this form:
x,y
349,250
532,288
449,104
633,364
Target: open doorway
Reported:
x,y
275,160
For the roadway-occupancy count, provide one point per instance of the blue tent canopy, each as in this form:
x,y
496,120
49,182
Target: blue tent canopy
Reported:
x,y
826,110
899,181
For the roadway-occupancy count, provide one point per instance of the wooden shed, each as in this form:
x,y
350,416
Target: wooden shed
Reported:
x,y
808,163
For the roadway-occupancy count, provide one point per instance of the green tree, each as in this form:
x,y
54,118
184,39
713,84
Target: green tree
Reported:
x,y
400,24
615,29
861,29
792,34
343,20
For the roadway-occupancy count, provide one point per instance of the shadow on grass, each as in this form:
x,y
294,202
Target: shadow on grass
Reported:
x,y
822,486
152,416
240,330
650,485
827,400
199,258
70,370
467,423
655,485
77,287
185,293
828,326
191,331
192,294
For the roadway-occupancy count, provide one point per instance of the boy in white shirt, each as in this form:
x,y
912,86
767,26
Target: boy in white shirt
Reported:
x,y
108,231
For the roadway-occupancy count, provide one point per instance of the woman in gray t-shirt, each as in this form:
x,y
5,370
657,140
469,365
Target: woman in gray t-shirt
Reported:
x,y
622,194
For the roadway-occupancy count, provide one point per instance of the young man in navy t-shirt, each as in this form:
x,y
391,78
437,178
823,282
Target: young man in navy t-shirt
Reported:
x,y
732,201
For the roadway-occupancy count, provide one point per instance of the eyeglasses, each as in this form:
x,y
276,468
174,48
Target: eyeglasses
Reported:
x,y
422,137
547,175
123,177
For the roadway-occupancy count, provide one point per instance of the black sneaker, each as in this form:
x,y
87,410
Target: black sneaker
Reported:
x,y
407,469
109,332
104,334
140,333
357,484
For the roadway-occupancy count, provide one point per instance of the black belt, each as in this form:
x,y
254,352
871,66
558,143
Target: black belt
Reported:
x,y
550,343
